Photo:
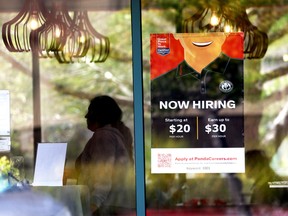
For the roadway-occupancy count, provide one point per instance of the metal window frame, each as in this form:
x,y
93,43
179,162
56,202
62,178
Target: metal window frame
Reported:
x,y
137,66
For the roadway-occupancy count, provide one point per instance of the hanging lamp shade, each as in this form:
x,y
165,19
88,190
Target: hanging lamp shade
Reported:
x,y
15,33
76,44
51,36
53,33
99,45
229,19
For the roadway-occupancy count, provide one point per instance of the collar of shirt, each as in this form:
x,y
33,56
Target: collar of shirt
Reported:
x,y
219,65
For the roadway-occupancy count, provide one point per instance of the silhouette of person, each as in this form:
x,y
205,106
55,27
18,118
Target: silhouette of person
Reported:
x,y
258,168
105,165
128,137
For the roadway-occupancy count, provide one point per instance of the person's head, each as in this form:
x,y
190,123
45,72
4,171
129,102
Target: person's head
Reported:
x,y
103,110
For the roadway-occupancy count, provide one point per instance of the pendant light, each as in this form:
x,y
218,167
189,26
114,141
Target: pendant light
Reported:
x,y
228,19
99,45
15,33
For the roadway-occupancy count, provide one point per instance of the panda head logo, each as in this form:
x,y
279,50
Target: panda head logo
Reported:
x,y
226,86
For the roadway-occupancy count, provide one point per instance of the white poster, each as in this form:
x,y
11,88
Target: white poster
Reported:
x,y
50,163
197,116
4,121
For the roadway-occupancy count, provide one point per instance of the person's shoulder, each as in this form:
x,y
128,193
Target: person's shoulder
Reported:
x,y
122,127
110,131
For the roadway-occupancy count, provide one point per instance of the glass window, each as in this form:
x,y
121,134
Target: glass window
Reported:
x,y
65,89
263,183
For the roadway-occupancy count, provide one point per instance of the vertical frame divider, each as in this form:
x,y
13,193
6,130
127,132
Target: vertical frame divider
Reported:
x,y
138,105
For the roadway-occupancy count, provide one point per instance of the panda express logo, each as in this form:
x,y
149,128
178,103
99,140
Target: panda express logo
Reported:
x,y
226,86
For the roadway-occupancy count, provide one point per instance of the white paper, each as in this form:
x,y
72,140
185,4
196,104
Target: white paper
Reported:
x,y
4,113
197,160
5,143
50,163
